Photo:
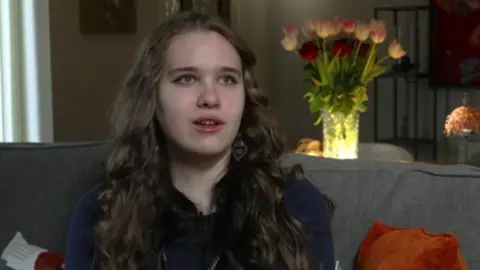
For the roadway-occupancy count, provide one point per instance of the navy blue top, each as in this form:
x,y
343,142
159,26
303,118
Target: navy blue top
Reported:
x,y
301,199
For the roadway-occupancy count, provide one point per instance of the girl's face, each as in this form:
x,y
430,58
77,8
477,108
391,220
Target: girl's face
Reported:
x,y
201,95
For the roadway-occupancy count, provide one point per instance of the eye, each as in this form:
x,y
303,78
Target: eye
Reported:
x,y
228,80
185,79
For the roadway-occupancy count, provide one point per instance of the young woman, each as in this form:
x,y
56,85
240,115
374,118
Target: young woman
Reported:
x,y
194,180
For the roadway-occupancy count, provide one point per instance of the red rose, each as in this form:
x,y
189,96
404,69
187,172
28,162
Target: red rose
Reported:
x,y
308,51
341,48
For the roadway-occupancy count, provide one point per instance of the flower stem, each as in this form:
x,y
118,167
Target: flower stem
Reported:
x,y
369,61
357,51
325,61
383,59
324,46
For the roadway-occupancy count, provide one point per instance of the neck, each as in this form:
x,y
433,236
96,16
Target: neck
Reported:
x,y
196,176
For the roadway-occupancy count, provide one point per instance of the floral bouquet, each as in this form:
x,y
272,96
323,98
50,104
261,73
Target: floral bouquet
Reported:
x,y
341,59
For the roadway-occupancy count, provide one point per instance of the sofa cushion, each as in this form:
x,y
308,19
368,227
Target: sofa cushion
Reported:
x,y
437,198
40,184
388,248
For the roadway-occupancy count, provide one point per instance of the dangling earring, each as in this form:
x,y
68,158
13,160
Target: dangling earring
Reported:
x,y
239,149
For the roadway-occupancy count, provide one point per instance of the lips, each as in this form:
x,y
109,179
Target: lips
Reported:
x,y
208,125
208,122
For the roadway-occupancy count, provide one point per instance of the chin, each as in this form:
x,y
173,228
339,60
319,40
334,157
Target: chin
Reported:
x,y
205,148
209,149
209,152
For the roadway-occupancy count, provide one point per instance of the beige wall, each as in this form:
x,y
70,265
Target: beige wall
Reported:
x,y
88,69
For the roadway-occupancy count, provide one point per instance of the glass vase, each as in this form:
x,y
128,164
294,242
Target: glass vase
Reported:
x,y
340,135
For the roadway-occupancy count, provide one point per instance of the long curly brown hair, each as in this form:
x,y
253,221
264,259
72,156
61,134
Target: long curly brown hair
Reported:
x,y
256,233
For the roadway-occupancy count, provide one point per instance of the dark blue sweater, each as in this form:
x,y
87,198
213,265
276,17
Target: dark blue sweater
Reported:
x,y
301,199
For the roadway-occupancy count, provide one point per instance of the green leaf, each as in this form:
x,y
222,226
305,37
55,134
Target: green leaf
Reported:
x,y
334,65
374,72
310,69
314,90
327,98
346,106
319,119
326,95
359,94
311,93
317,83
362,107
312,72
321,70
309,97
316,105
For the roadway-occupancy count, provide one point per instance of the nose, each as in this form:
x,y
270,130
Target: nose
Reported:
x,y
208,98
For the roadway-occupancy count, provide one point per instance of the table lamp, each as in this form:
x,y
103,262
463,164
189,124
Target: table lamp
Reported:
x,y
463,121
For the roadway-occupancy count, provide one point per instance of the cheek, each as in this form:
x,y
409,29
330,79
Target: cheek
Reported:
x,y
234,104
169,112
241,108
241,103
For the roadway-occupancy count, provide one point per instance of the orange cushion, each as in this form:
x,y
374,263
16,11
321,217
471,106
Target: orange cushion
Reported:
x,y
387,248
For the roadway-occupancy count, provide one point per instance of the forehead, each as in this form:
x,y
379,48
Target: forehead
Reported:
x,y
202,49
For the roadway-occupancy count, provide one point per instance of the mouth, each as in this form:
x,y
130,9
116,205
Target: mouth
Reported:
x,y
208,124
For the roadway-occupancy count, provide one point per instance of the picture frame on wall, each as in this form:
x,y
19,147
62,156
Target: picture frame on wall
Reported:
x,y
107,16
454,43
222,8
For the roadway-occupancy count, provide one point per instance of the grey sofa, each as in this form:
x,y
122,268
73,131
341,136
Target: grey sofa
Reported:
x,y
40,183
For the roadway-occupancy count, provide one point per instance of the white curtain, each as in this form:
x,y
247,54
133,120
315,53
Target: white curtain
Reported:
x,y
25,79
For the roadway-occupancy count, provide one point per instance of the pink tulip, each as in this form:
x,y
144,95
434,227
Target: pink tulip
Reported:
x,y
290,31
325,28
362,32
289,43
337,26
349,26
377,25
378,31
311,26
396,51
378,36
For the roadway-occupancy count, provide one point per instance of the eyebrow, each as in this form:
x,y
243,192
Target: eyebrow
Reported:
x,y
195,69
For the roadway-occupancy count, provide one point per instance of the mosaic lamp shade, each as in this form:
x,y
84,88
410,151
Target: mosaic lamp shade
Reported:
x,y
463,120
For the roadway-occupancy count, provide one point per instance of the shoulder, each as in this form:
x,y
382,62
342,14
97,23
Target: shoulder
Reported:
x,y
80,251
302,198
87,204
86,212
309,206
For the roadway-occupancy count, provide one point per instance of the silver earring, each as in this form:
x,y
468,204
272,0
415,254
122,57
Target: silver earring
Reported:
x,y
239,149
